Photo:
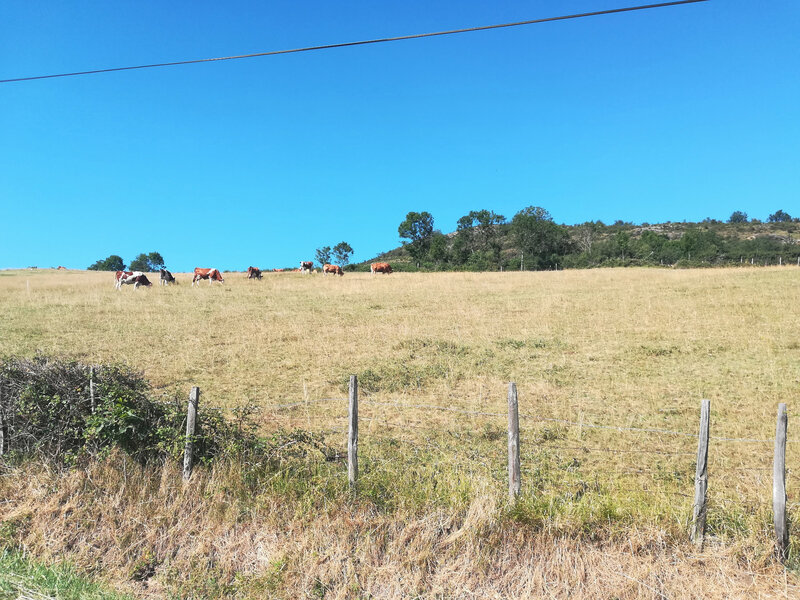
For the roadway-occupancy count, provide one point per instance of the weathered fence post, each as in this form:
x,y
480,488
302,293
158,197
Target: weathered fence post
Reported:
x,y
779,486
514,484
191,419
3,427
352,434
91,387
700,507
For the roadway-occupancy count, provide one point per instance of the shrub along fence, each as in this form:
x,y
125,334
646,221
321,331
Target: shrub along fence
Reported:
x,y
63,409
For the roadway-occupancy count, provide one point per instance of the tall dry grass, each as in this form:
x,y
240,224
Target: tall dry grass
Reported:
x,y
635,348
150,534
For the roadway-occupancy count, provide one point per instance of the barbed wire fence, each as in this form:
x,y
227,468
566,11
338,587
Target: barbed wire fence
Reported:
x,y
700,505
517,461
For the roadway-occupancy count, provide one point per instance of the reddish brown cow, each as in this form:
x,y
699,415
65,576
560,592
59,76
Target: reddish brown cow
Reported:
x,y
253,273
210,274
306,266
136,278
380,267
332,269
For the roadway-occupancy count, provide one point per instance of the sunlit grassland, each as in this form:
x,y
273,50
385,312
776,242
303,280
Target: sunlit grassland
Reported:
x,y
623,347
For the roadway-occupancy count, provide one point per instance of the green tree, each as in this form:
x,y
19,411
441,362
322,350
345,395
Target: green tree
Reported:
x,y
147,262
652,241
418,228
701,245
439,252
323,255
341,252
541,241
738,217
479,232
112,263
156,261
780,217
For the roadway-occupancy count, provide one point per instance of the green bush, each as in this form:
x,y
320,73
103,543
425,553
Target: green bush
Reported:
x,y
48,410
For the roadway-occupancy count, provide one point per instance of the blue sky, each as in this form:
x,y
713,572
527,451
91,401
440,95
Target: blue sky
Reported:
x,y
672,114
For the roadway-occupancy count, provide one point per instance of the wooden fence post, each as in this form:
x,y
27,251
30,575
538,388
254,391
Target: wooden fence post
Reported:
x,y
779,486
352,434
700,507
191,419
3,427
514,484
91,387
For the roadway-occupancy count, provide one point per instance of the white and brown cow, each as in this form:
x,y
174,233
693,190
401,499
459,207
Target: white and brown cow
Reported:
x,y
210,274
306,266
253,273
135,278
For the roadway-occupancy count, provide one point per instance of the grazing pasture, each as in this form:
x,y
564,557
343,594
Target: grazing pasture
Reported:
x,y
630,348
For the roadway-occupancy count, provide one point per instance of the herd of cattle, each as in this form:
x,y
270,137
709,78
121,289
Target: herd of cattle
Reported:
x,y
138,278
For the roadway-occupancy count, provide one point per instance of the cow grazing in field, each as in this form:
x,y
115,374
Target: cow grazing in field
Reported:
x,y
119,276
135,278
210,274
166,277
332,269
306,266
60,268
253,273
380,267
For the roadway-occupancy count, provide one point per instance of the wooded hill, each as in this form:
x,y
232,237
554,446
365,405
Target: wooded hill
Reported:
x,y
485,241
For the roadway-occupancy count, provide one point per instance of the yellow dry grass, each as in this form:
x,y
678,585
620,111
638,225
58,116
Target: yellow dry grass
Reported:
x,y
634,348
123,522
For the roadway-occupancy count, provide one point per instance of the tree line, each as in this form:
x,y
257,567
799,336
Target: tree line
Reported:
x,y
149,263
531,240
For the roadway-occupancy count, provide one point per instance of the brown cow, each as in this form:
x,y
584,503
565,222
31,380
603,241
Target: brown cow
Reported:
x,y
306,266
253,273
380,267
210,274
136,278
332,269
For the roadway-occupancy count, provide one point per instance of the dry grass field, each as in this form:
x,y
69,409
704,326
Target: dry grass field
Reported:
x,y
630,349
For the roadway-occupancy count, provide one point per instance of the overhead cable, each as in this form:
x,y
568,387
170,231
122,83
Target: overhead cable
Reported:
x,y
359,43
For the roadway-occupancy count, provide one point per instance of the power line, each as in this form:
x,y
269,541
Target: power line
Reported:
x,y
360,43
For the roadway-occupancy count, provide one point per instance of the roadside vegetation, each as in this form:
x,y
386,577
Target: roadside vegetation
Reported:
x,y
22,578
604,512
